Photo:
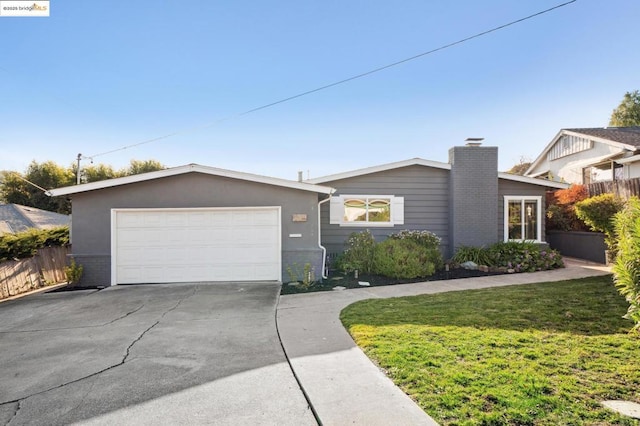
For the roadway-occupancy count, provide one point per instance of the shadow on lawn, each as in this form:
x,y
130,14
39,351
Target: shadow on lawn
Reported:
x,y
589,306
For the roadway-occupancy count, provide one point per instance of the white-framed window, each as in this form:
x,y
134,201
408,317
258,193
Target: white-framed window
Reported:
x,y
523,218
366,210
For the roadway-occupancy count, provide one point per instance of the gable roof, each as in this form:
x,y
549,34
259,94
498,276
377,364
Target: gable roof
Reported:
x,y
189,168
620,137
380,168
17,218
434,164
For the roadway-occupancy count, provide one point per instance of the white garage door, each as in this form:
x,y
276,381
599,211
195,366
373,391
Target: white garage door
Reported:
x,y
187,245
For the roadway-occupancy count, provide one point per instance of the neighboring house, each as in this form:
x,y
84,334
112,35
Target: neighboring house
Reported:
x,y
17,218
197,223
584,156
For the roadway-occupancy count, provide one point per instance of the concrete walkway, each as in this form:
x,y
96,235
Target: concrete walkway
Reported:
x,y
343,385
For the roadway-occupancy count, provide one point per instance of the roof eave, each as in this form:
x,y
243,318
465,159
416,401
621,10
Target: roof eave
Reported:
x,y
380,168
190,168
533,181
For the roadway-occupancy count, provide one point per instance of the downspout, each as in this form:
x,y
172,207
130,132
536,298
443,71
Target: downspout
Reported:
x,y
324,250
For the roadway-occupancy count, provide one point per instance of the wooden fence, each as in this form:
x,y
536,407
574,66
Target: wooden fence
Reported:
x,y
623,188
45,268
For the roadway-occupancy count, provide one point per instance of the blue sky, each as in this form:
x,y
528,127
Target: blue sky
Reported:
x,y
97,76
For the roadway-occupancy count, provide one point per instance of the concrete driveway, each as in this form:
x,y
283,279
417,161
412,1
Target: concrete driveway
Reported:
x,y
147,354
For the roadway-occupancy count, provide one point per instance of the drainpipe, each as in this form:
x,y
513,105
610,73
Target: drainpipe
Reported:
x,y
324,250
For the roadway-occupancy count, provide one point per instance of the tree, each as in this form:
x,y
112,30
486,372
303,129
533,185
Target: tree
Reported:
x,y
521,167
47,175
14,187
136,167
628,112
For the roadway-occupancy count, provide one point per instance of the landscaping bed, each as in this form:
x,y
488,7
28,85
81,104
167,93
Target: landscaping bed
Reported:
x,y
338,279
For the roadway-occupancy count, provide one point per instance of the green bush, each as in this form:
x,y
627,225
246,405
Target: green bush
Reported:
x,y
426,239
359,253
524,256
598,212
404,258
26,244
626,269
73,272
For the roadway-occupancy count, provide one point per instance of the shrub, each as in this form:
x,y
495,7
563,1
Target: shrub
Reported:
x,y
73,272
26,244
426,239
524,256
404,258
359,253
477,255
597,212
561,212
626,269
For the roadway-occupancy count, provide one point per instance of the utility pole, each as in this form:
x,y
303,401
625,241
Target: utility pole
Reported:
x,y
78,170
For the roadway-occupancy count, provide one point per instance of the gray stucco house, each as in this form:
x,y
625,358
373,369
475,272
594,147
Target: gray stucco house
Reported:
x,y
197,223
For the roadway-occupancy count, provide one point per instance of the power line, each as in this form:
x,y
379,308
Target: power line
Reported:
x,y
346,80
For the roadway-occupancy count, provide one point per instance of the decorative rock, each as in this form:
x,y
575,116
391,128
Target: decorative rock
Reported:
x,y
472,266
339,288
511,271
364,283
626,408
483,268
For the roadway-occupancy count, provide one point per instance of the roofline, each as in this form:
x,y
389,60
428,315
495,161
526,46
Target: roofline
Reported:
x,y
380,168
574,133
533,181
189,168
626,160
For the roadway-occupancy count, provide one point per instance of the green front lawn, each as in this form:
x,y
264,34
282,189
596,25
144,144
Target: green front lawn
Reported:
x,y
540,354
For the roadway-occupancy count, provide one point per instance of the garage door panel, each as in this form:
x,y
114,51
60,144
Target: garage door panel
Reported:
x,y
197,245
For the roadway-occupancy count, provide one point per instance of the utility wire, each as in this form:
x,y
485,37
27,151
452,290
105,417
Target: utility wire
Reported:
x,y
346,80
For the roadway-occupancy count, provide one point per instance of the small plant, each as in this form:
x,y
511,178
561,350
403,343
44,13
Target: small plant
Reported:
x,y
73,272
626,268
305,275
477,255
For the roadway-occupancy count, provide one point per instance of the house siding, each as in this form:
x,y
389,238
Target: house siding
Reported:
x,y
508,187
426,203
91,225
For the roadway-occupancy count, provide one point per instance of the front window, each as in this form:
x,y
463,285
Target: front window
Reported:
x,y
367,210
523,218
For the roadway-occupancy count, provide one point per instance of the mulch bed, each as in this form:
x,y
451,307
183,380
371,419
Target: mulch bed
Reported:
x,y
349,281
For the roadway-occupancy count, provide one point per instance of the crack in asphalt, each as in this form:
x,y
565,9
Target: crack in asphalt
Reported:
x,y
77,327
124,359
15,413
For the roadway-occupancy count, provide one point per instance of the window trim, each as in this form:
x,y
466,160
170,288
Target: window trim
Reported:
x,y
523,199
396,205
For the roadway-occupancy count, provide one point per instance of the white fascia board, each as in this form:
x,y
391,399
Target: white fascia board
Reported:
x,y
626,160
380,168
109,183
533,181
544,152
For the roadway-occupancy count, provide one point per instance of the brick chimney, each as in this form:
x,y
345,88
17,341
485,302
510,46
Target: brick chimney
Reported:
x,y
473,195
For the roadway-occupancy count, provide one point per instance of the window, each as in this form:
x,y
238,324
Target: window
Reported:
x,y
367,210
522,218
